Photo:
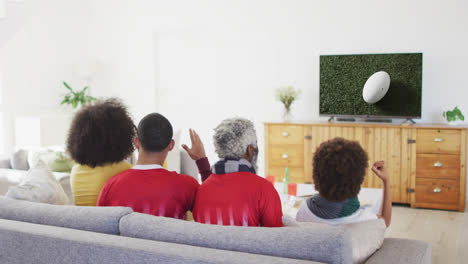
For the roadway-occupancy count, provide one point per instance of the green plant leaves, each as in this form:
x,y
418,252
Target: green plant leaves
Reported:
x,y
75,98
453,115
68,86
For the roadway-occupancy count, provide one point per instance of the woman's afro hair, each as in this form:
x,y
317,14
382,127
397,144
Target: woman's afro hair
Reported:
x,y
101,133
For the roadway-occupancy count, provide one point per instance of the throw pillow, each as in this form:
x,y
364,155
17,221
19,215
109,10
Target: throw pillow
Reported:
x,y
39,156
19,160
39,185
57,161
61,163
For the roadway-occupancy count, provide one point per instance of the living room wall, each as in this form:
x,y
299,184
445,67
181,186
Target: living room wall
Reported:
x,y
201,61
46,50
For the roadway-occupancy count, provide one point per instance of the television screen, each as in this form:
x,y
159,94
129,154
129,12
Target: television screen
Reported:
x,y
343,78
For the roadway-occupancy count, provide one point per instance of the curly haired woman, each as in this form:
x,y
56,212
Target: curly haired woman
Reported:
x,y
100,138
339,169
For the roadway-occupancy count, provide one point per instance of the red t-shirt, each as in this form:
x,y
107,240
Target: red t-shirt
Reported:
x,y
240,199
154,191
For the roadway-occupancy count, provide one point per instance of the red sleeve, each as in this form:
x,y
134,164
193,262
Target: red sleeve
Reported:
x,y
204,169
270,207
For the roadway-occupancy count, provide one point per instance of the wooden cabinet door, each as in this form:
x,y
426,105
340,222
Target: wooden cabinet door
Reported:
x,y
395,146
381,143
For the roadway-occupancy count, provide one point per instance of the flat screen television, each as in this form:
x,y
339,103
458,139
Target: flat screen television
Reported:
x,y
342,79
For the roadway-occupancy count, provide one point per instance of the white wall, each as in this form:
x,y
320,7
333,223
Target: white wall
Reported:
x,y
39,57
198,62
207,60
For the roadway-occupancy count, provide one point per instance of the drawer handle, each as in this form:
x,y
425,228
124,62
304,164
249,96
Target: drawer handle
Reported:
x,y
438,164
285,156
437,190
438,139
285,134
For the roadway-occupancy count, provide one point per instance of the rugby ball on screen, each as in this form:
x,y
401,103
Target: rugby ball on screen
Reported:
x,y
376,87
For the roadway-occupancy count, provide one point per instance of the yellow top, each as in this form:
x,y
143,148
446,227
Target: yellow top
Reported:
x,y
87,182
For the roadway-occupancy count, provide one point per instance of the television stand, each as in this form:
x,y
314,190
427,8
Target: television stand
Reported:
x,y
346,119
378,120
410,120
341,119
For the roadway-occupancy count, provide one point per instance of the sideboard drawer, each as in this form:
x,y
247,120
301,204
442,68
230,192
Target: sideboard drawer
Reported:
x,y
295,174
438,166
444,141
287,156
286,134
437,191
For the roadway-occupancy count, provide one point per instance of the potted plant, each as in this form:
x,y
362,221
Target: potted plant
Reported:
x,y
287,95
76,98
454,117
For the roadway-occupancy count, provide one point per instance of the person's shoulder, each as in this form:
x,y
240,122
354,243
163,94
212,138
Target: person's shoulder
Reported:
x,y
122,174
185,178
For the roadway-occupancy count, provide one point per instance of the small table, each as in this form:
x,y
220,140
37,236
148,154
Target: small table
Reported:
x,y
368,197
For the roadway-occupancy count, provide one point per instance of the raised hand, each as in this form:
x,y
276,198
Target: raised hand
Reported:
x,y
380,169
197,151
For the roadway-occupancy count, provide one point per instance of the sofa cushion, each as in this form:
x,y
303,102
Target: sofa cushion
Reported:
x,y
57,161
402,251
19,160
315,242
96,219
39,185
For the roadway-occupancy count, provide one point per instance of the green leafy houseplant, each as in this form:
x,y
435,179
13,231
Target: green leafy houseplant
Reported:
x,y
75,98
453,115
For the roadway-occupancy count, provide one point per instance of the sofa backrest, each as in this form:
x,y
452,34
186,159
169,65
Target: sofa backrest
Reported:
x,y
96,219
22,242
315,242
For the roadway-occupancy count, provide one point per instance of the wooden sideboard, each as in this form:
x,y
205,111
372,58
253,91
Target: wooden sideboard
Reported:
x,y
427,163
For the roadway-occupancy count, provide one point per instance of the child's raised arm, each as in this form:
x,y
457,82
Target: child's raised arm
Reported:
x,y
380,169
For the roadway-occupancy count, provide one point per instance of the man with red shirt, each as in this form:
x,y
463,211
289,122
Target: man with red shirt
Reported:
x,y
148,187
234,194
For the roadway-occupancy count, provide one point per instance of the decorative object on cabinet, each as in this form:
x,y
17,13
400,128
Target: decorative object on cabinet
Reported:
x,y
454,117
287,96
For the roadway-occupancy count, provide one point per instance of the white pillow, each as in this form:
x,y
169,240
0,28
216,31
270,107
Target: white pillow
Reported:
x,y
19,160
35,157
39,185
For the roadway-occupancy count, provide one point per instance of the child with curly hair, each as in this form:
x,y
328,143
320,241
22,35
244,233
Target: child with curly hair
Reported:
x,y
339,167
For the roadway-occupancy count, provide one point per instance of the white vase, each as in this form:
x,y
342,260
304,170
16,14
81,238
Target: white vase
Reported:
x,y
456,123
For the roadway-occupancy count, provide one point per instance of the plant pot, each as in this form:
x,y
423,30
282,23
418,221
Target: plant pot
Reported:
x,y
456,123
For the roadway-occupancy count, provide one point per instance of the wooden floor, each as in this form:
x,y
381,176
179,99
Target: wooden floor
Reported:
x,y
446,231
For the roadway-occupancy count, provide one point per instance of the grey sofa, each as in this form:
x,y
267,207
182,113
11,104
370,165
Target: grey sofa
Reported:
x,y
42,233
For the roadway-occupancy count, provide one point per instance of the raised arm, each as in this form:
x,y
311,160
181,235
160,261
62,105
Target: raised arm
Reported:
x,y
197,153
380,169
